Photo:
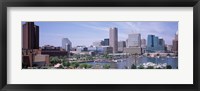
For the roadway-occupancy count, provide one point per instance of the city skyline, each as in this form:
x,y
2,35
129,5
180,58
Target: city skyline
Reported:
x,y
111,50
85,33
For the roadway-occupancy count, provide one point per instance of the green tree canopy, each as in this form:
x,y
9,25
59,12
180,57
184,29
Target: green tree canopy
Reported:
x,y
106,66
133,66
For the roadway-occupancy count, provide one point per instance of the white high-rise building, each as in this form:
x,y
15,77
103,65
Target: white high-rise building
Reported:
x,y
134,40
66,44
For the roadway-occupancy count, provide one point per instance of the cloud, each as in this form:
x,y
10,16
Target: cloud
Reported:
x,y
95,27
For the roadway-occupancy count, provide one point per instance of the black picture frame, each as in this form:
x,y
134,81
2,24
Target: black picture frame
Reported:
x,y
99,3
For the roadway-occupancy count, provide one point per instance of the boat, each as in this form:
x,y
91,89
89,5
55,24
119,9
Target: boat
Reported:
x,y
114,60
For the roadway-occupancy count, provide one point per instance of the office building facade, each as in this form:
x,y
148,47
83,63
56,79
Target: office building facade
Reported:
x,y
106,42
30,36
113,39
121,46
143,43
175,43
134,40
66,44
155,44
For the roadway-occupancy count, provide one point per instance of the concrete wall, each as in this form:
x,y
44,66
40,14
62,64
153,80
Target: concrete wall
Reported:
x,y
41,58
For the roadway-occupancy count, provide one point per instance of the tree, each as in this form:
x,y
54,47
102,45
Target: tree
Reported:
x,y
64,57
133,66
89,58
150,67
169,67
106,66
83,65
54,60
74,64
158,68
61,60
140,67
89,66
86,66
66,64
106,56
24,65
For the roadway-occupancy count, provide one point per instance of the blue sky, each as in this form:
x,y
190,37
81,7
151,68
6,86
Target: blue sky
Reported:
x,y
85,33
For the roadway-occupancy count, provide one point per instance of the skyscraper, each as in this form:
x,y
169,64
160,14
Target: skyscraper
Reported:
x,y
30,43
175,43
155,44
169,48
106,42
150,43
156,40
161,45
30,36
36,37
121,46
126,43
113,39
66,44
143,43
134,40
